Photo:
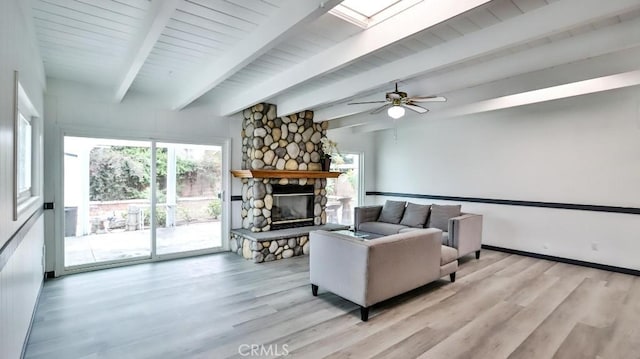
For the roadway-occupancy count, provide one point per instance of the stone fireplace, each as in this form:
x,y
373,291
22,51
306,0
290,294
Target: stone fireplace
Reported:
x,y
288,143
283,186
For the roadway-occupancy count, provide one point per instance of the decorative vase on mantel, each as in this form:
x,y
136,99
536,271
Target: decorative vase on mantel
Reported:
x,y
326,163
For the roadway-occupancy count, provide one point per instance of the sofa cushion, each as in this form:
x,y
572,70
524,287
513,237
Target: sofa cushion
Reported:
x,y
447,255
415,215
392,212
380,228
440,216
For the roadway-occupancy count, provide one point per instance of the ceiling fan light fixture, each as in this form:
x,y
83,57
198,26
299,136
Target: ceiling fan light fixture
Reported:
x,y
395,112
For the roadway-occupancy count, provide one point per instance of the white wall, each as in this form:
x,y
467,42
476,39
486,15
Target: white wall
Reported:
x,y
17,52
82,110
20,283
21,277
235,127
582,150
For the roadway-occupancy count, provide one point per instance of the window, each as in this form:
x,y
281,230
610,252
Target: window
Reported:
x,y
24,157
27,152
344,192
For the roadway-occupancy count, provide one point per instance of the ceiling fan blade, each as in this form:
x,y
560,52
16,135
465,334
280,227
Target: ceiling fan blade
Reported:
x,y
428,99
365,102
379,109
415,108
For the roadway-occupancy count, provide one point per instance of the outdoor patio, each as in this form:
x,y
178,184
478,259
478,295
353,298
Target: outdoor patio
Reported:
x,y
121,244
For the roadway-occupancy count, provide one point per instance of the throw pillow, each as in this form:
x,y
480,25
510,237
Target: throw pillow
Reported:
x,y
392,212
440,216
415,215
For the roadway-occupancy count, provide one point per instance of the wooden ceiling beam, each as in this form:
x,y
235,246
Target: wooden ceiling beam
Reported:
x,y
572,89
409,22
290,17
610,39
543,22
159,14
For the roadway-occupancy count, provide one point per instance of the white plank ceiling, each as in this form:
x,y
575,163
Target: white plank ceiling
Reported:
x,y
202,49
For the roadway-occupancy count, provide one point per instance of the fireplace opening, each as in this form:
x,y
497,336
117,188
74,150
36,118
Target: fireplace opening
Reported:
x,y
292,206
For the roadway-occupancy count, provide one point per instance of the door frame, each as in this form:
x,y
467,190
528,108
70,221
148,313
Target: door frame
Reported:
x,y
58,172
361,192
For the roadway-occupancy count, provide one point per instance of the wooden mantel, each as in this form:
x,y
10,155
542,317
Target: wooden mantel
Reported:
x,y
283,174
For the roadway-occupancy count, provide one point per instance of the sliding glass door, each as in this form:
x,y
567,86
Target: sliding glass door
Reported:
x,y
189,183
106,201
108,187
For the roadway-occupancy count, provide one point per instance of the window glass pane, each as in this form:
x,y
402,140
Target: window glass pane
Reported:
x,y
342,192
24,155
107,207
188,210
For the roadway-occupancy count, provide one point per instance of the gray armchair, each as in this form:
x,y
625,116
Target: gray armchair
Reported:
x,y
367,272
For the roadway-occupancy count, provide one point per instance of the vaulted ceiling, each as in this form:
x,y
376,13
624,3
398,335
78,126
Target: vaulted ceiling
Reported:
x,y
232,54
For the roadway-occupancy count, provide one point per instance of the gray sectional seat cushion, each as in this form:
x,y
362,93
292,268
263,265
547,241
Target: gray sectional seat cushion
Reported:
x,y
415,215
392,212
385,229
447,255
441,214
445,235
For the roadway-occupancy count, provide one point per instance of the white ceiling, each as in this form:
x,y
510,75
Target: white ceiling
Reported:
x,y
234,53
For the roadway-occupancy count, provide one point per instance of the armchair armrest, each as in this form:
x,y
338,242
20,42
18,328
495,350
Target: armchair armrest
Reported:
x,y
365,214
339,264
465,233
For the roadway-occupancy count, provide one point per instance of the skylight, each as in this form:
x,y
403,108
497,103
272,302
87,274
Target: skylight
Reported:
x,y
368,8
366,13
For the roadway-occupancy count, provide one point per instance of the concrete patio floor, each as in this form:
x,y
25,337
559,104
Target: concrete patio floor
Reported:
x,y
119,245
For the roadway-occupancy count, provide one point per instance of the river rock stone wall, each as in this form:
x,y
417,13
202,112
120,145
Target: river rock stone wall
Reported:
x,y
267,251
282,143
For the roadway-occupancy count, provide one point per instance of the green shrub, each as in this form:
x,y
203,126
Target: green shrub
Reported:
x,y
116,175
161,216
185,213
215,208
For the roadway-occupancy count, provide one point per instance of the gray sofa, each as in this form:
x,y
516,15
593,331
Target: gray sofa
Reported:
x,y
462,231
367,272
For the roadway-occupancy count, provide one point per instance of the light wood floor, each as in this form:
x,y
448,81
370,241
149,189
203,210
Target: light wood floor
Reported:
x,y
206,307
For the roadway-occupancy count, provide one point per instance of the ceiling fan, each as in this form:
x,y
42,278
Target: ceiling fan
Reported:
x,y
397,101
